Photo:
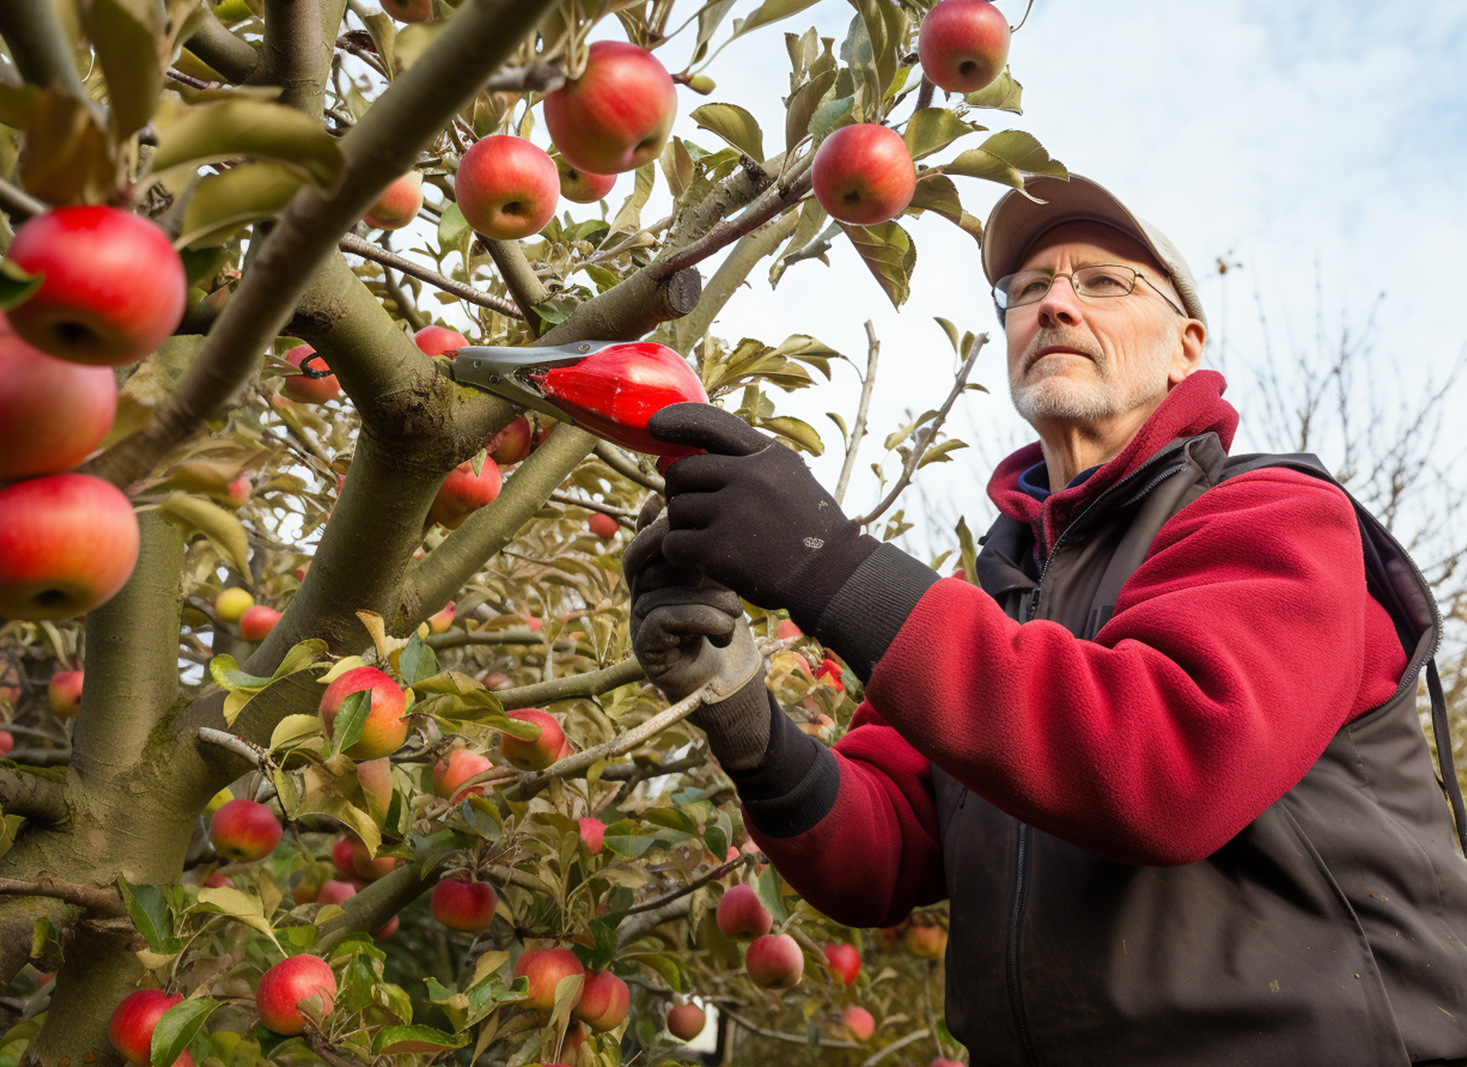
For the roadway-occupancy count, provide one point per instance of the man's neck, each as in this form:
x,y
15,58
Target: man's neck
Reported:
x,y
1070,448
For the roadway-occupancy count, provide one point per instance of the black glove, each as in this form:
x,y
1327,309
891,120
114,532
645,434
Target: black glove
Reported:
x,y
751,516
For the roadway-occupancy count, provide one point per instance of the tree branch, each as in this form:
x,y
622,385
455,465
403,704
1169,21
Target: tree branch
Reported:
x,y
357,246
682,891
628,932
34,796
519,277
590,684
292,57
222,50
858,428
101,902
731,273
594,505
797,1039
19,204
628,468
899,1043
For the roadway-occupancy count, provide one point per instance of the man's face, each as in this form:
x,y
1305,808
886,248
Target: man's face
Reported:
x,y
1089,361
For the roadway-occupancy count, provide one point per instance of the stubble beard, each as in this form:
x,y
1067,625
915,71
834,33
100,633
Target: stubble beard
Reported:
x,y
1057,395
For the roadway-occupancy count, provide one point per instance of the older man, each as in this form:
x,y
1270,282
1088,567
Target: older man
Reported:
x,y
1164,760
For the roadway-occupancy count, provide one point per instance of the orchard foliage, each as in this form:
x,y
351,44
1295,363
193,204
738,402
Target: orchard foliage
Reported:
x,y
257,135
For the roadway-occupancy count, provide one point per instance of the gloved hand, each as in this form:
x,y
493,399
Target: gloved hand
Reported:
x,y
688,631
750,515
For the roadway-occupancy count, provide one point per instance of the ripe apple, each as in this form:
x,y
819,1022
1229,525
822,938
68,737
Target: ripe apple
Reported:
x,y
741,915
131,1027
243,831
7,742
436,340
335,891
385,728
927,941
775,961
570,1048
289,982
506,187
440,621
375,778
408,10
581,186
302,387
256,622
602,525
511,444
231,603
113,286
845,961
464,905
215,880
53,413
859,1022
64,692
686,1021
399,203
942,1062
308,887
617,115
963,45
388,929
593,832
456,768
863,174
605,999
545,969
68,543
341,858
370,869
539,753
238,491
464,492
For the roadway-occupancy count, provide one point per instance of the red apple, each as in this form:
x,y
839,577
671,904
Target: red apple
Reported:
x,y
53,413
859,1022
215,880
941,1062
68,543
775,961
845,961
408,10
617,115
863,174
238,491
114,288
385,728
534,623
436,340
388,929
289,982
511,444
506,187
131,1027
302,387
496,680
440,621
399,203
575,1040
64,693
464,492
456,768
341,858
602,525
243,830
605,999
963,45
545,969
335,891
375,778
256,622
369,869
926,941
537,754
741,915
581,186
686,1021
7,742
593,832
464,905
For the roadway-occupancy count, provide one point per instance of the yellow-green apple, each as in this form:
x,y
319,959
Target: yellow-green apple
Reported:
x,y
859,1022
284,986
304,388
440,621
844,960
581,186
399,203
53,413
617,115
536,754
408,10
926,941
375,778
453,770
231,603
863,174
113,286
963,45
435,340
68,542
64,693
741,915
593,832
512,444
243,831
545,969
685,1021
461,904
775,961
506,187
7,742
602,525
385,729
256,622
463,492
370,869
605,999
133,1021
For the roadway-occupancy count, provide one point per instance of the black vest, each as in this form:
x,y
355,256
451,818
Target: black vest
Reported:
x,y
1330,931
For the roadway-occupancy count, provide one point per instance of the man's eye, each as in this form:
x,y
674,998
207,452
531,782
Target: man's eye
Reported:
x,y
1031,287
1107,281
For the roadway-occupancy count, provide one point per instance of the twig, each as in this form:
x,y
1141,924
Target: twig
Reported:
x,y
634,773
405,304
628,932
41,757
100,901
858,429
327,1051
925,93
591,684
238,745
536,78
594,505
18,203
367,250
919,446
797,1039
877,1057
1020,26
682,891
624,465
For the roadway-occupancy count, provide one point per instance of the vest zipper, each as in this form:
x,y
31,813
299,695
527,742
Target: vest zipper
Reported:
x,y
1016,925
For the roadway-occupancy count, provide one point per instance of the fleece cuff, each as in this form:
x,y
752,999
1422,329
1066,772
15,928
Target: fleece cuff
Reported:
x,y
862,619
794,786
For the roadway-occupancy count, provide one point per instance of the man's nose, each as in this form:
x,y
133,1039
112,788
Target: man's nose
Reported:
x,y
1061,304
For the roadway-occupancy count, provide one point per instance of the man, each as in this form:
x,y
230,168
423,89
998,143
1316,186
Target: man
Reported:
x,y
1165,760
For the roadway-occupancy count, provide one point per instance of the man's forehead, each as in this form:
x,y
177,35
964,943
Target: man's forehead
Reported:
x,y
1085,236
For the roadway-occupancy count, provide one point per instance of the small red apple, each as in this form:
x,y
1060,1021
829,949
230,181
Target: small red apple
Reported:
x,y
256,622
845,961
369,869
582,186
243,831
464,492
859,1022
436,340
68,543
602,525
341,858
863,174
388,929
7,742
534,623
289,982
302,387
506,187
963,45
238,491
113,286
617,115
399,203
215,880
454,769
593,833
539,753
775,961
335,891
741,914
132,1024
686,1021
511,444
408,10
464,905
787,629
53,413
545,969
64,693
385,728
605,999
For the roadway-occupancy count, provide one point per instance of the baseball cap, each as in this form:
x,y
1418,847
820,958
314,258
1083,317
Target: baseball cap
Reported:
x,y
1016,222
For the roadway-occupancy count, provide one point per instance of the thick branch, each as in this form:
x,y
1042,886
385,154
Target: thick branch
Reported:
x,y
731,274
33,796
376,904
101,902
357,246
297,51
591,684
519,277
683,890
629,931
624,465
222,50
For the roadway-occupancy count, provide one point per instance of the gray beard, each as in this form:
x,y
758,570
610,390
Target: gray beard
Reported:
x,y
1093,400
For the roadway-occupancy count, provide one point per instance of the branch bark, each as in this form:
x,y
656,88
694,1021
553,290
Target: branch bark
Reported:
x,y
591,684
358,246
519,277
222,50
36,797
858,428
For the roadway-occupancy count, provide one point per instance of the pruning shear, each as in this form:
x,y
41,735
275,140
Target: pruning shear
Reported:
x,y
506,371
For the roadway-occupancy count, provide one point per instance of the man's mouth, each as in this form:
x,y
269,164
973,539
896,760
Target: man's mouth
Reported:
x,y
1050,350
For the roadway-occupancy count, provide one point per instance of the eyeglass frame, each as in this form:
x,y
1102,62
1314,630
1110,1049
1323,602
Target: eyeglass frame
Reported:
x,y
1135,275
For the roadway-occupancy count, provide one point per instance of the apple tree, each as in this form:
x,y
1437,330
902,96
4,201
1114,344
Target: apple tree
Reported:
x,y
351,759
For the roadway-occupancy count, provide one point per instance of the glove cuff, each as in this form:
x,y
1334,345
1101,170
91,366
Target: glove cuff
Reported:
x,y
818,580
862,618
738,726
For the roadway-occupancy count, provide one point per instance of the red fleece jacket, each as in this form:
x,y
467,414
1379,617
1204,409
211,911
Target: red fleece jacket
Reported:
x,y
1240,646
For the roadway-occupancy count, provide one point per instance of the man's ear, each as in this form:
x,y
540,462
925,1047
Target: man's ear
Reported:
x,y
1188,356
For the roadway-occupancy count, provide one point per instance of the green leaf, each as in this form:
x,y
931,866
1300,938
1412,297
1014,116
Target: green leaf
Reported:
x,y
770,888
770,11
1006,158
709,16
672,819
238,905
224,203
968,550
125,35
1002,94
351,716
245,127
16,102
801,106
454,231
416,1038
16,286
830,116
149,911
947,328
629,217
796,430
67,156
665,966
932,129
734,125
890,255
178,1026
567,995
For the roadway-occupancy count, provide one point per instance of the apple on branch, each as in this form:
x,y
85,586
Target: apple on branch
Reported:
x,y
506,187
686,1021
617,115
512,444
581,186
399,203
256,622
844,961
434,340
64,693
536,754
302,387
463,492
133,1021
454,769
385,728
243,831
462,904
605,999
53,413
545,969
775,961
741,915
863,174
602,525
284,986
963,45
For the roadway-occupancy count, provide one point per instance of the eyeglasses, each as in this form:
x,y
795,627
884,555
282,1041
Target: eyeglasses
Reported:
x,y
1100,282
